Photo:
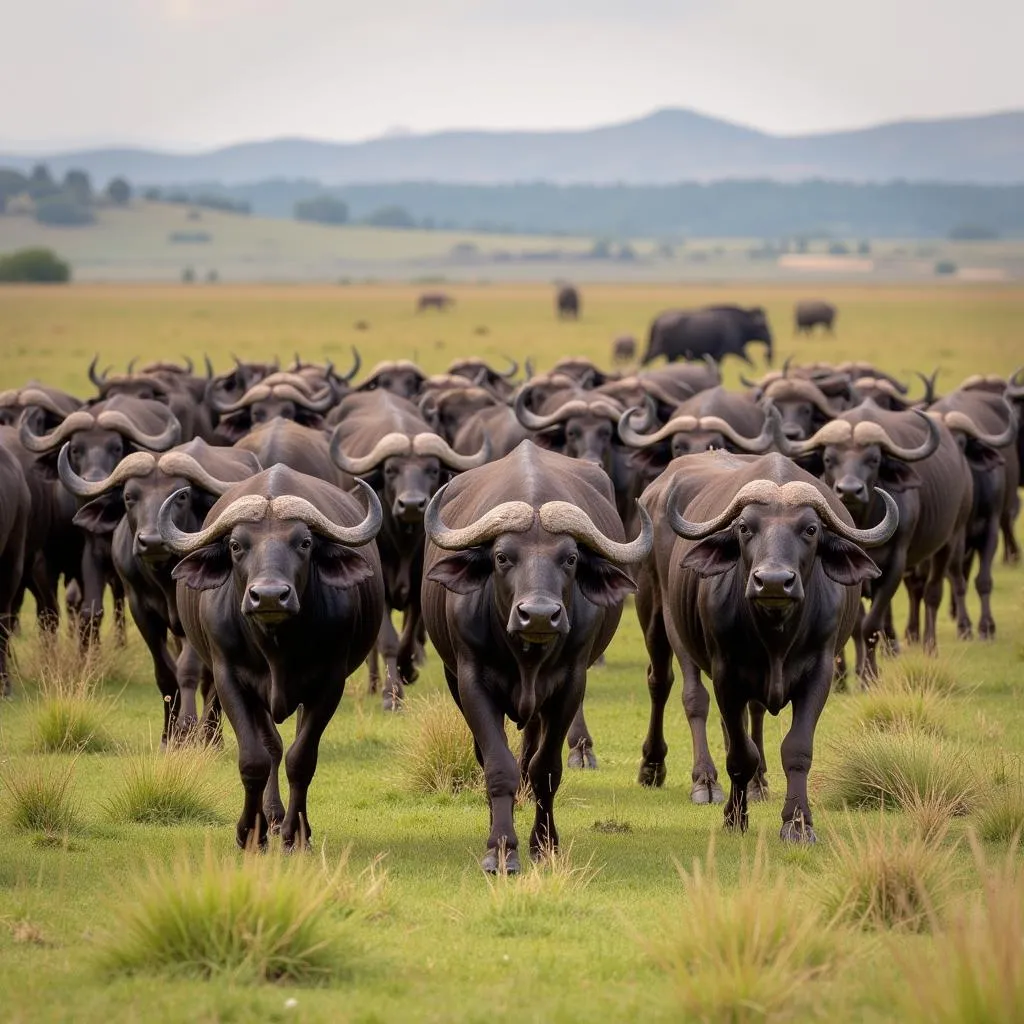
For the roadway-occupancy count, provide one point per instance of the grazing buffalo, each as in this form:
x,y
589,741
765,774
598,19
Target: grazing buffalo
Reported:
x,y
986,429
567,302
289,396
755,580
624,349
917,460
125,507
99,436
281,606
15,514
434,300
523,591
384,440
716,331
811,313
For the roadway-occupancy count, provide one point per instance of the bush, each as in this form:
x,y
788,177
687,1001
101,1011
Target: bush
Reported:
x,y
876,879
1001,817
71,724
322,210
439,754
36,265
119,192
40,800
839,249
254,920
945,267
917,672
63,211
745,952
169,788
893,705
391,217
188,275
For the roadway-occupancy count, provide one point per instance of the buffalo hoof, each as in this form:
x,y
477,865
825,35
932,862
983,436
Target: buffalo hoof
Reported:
x,y
987,630
797,831
251,840
496,864
652,773
297,839
707,791
964,631
757,789
392,701
582,756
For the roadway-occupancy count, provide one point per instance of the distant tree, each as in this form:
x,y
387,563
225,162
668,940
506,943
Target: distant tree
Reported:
x,y
972,233
188,275
839,249
78,186
600,250
63,211
945,267
800,244
119,192
625,252
12,183
864,248
667,251
40,184
322,210
152,194
40,265
391,217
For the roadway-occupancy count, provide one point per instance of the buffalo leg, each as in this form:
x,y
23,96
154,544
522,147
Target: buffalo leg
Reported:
x,y
406,657
1011,549
797,752
958,587
93,584
501,773
757,789
154,633
120,630
373,668
697,704
915,594
881,598
742,759
387,645
933,593
300,765
273,805
581,743
190,674
659,686
983,581
8,589
211,725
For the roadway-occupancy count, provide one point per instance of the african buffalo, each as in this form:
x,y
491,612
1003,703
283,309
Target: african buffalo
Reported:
x,y
434,300
624,349
281,607
811,313
399,376
522,591
567,302
716,331
289,396
15,513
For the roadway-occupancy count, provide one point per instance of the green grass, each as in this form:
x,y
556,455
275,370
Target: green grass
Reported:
x,y
41,799
1001,815
71,725
171,787
439,757
435,942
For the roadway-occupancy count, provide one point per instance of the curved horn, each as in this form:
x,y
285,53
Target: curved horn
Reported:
x,y
797,492
713,366
189,365
1012,384
291,506
929,385
39,444
564,517
97,379
356,364
135,464
511,371
528,368
209,367
36,396
434,444
250,508
863,433
131,365
965,424
633,438
508,517
385,448
533,421
785,366
183,464
320,402
114,419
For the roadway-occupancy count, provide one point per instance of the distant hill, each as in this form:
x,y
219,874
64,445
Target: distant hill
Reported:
x,y
665,147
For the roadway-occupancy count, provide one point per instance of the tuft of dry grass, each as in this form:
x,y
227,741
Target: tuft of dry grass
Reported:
x,y
976,968
438,755
743,952
917,672
1001,815
55,666
894,705
175,786
40,799
72,725
874,878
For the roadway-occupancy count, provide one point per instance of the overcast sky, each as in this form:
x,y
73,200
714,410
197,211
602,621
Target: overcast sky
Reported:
x,y
187,74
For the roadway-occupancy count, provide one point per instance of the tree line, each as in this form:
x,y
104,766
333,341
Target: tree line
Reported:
x,y
66,202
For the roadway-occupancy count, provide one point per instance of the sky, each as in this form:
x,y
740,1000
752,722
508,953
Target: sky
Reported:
x,y
196,74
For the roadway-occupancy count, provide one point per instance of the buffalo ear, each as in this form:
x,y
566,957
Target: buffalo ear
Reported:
x,y
713,555
234,426
553,438
601,582
844,561
341,567
650,461
101,515
462,572
45,466
898,476
205,569
983,458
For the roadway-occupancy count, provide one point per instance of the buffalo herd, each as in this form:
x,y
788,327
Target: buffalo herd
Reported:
x,y
263,526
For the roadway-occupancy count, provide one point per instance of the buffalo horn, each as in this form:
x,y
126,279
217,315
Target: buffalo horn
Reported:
x,y
388,446
508,517
438,447
113,419
135,464
41,443
564,517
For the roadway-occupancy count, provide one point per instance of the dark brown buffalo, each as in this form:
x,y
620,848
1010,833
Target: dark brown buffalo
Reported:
x,y
99,436
289,396
811,313
683,379
802,405
497,426
481,373
715,331
399,376
125,507
385,441
624,349
567,302
523,591
15,513
47,407
755,580
281,606
228,387
918,461
585,372
448,410
985,427
434,300
317,375
287,443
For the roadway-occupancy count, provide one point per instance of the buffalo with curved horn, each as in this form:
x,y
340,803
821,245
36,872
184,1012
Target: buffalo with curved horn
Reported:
x,y
280,395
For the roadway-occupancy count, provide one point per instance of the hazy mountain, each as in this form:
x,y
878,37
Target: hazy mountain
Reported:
x,y
665,147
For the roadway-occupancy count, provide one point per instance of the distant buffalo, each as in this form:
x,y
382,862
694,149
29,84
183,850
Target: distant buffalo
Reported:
x,y
624,349
568,302
812,312
434,300
715,331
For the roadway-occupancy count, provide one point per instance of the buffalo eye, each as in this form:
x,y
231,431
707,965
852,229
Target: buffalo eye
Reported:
x,y
570,561
181,499
234,547
811,530
306,543
502,560
743,529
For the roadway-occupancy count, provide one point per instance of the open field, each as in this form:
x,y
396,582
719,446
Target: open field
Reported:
x,y
586,942
138,244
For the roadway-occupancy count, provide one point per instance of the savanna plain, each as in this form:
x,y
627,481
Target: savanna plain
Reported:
x,y
123,898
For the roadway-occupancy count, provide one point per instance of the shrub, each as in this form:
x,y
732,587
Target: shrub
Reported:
x,y
916,672
898,769
893,704
322,210
63,211
40,799
169,788
1001,817
119,192
68,725
391,217
976,970
252,919
876,879
34,265
439,754
745,952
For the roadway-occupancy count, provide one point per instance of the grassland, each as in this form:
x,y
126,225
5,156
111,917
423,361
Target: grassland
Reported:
x,y
619,935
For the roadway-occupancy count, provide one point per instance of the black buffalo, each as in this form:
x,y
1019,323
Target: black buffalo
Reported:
x,y
567,302
811,313
716,331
